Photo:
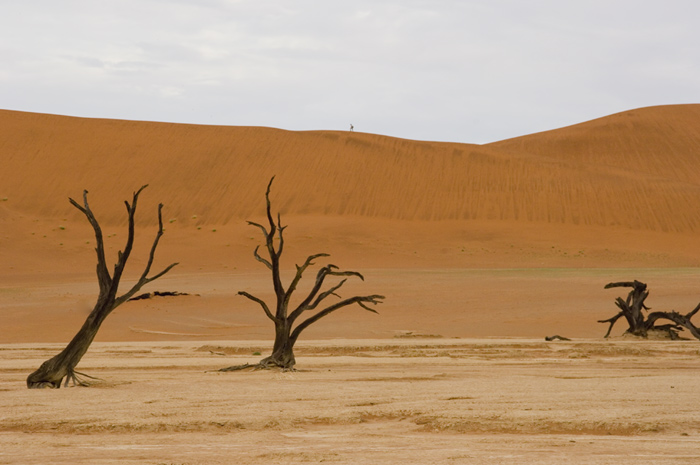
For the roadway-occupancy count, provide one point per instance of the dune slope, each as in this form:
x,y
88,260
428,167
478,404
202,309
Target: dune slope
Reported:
x,y
638,170
423,221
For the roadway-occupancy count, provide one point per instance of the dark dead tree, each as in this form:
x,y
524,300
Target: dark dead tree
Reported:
x,y
289,324
52,372
632,309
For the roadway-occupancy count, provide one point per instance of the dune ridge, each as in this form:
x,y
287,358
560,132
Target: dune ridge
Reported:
x,y
638,170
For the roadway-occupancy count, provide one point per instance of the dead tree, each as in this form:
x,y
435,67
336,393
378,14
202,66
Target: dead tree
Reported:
x,y
632,309
52,372
288,324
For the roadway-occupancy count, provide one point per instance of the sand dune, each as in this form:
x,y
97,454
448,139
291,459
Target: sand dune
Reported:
x,y
618,194
617,191
638,169
659,142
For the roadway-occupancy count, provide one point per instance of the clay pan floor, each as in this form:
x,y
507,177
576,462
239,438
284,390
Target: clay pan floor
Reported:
x,y
382,401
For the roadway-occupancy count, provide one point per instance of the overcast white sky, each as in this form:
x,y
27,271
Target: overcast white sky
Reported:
x,y
464,71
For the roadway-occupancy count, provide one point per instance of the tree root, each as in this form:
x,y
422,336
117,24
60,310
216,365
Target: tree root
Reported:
x,y
77,382
245,366
262,365
72,379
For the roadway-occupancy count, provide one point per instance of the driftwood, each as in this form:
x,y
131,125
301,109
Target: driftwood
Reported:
x,y
556,337
632,309
289,323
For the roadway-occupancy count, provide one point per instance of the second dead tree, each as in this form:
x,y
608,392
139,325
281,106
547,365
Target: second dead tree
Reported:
x,y
289,324
632,309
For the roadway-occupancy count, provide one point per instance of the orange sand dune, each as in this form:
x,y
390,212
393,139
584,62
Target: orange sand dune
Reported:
x,y
638,169
621,190
660,142
617,193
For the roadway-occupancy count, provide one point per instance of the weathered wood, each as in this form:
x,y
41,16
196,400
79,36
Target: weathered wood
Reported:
x,y
62,366
150,295
287,331
556,337
639,324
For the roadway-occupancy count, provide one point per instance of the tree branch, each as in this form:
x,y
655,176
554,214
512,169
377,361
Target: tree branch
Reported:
x,y
320,278
693,312
677,318
612,322
262,304
124,256
260,259
268,207
634,284
300,271
280,230
103,277
262,228
323,295
362,300
144,279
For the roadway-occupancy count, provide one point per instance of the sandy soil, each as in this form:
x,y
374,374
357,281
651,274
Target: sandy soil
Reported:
x,y
384,401
445,302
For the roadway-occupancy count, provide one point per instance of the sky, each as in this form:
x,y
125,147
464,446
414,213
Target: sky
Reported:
x,y
444,70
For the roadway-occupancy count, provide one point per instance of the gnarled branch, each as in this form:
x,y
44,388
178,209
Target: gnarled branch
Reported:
x,y
144,279
612,322
361,300
327,270
262,303
300,272
261,259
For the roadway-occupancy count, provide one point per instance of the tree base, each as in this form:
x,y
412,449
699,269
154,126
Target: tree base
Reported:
x,y
72,377
656,334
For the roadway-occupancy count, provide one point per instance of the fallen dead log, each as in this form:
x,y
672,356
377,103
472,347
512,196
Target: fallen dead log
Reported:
x,y
556,337
639,324
150,295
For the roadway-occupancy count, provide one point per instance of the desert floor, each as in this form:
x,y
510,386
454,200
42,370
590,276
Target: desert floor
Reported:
x,y
454,369
383,401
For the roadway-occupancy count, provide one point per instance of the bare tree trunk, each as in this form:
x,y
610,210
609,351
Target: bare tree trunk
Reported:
x,y
52,372
282,351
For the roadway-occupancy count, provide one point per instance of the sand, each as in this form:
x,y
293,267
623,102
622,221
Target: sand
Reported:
x,y
480,250
384,401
